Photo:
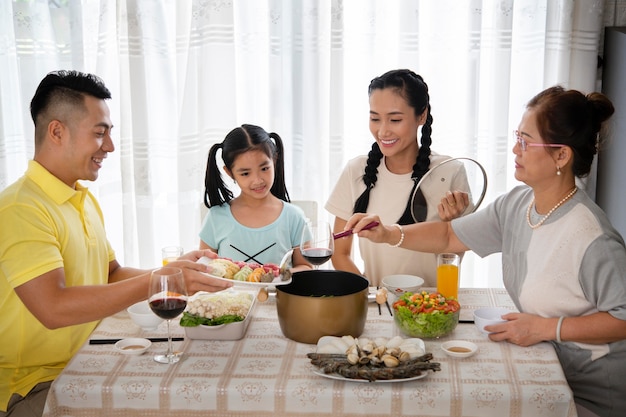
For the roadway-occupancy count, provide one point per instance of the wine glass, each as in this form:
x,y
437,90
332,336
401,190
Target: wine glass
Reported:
x,y
317,243
167,297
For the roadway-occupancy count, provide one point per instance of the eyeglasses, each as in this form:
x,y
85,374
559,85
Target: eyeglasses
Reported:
x,y
524,145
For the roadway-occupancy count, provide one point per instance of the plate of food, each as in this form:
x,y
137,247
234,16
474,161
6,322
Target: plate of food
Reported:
x,y
223,315
376,380
249,274
372,360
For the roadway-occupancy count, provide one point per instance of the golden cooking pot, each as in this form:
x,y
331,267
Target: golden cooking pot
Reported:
x,y
320,303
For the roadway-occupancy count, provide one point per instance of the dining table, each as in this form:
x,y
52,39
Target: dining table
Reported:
x,y
266,374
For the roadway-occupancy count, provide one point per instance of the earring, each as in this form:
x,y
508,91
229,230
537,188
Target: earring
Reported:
x,y
558,170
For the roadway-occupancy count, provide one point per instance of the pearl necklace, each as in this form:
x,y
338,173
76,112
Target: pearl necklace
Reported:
x,y
544,218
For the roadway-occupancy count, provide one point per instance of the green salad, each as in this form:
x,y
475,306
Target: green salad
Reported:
x,y
191,320
427,315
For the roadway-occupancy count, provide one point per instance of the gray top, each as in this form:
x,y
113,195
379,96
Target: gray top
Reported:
x,y
574,264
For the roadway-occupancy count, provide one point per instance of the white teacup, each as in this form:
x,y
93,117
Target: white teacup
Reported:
x,y
489,315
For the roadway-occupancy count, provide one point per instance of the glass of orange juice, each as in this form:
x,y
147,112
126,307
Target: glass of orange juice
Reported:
x,y
171,253
448,274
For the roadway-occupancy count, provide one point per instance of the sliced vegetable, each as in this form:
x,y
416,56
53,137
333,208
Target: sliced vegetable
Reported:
x,y
426,314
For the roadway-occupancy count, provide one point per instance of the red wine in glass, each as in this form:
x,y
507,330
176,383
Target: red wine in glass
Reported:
x,y
168,308
317,243
317,256
167,297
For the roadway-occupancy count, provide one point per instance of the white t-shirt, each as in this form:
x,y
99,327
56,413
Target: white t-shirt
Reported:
x,y
388,199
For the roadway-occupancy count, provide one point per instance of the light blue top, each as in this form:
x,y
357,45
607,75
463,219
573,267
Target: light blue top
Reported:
x,y
267,244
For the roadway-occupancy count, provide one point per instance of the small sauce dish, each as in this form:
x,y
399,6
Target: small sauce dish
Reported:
x,y
459,348
132,346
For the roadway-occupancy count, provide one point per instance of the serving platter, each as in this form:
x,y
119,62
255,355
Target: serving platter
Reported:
x,y
283,278
277,281
372,360
424,374
229,331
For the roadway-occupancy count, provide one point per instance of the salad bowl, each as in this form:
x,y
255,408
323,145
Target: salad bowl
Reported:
x,y
426,315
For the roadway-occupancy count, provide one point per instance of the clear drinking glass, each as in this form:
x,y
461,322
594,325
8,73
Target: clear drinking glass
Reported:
x,y
167,298
448,274
317,243
171,253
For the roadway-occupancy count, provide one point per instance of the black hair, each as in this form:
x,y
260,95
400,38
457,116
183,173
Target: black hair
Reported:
x,y
66,85
572,118
412,87
239,140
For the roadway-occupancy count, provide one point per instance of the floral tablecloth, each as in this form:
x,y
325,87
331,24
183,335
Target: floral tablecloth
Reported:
x,y
266,374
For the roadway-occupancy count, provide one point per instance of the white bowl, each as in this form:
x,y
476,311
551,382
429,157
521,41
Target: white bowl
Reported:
x,y
489,315
459,348
132,346
143,316
401,283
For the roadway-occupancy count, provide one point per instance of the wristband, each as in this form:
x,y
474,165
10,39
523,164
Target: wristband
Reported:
x,y
401,236
558,329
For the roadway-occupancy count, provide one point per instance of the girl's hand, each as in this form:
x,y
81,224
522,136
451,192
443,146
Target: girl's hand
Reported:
x,y
452,205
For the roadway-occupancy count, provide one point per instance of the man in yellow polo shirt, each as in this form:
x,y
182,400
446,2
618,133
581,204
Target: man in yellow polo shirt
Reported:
x,y
58,272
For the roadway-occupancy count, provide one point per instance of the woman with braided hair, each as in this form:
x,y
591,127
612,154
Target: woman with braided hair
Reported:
x,y
384,181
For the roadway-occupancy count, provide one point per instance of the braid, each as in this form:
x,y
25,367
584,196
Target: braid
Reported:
x,y
420,168
369,178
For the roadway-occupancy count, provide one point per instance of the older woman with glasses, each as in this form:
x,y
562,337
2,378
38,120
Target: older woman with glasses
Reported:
x,y
563,263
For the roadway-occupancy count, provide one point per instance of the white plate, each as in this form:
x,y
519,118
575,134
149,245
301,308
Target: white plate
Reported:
x,y
343,378
277,281
285,262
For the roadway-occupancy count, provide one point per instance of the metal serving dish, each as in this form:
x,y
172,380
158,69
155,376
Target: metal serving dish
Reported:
x,y
322,303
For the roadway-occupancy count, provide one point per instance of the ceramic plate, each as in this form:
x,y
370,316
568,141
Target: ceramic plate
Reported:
x,y
285,264
277,281
343,378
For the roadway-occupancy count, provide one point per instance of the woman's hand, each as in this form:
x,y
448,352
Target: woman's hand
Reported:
x,y
377,234
453,205
523,329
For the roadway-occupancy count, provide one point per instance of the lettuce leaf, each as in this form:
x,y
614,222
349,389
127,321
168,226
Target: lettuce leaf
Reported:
x,y
190,320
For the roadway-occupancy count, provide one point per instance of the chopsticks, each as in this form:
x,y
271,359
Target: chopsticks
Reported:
x,y
388,308
114,341
349,232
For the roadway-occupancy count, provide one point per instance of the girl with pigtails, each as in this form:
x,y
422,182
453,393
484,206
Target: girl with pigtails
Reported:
x,y
385,180
259,225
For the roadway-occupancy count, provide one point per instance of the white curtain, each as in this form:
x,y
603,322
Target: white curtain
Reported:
x,y
185,72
